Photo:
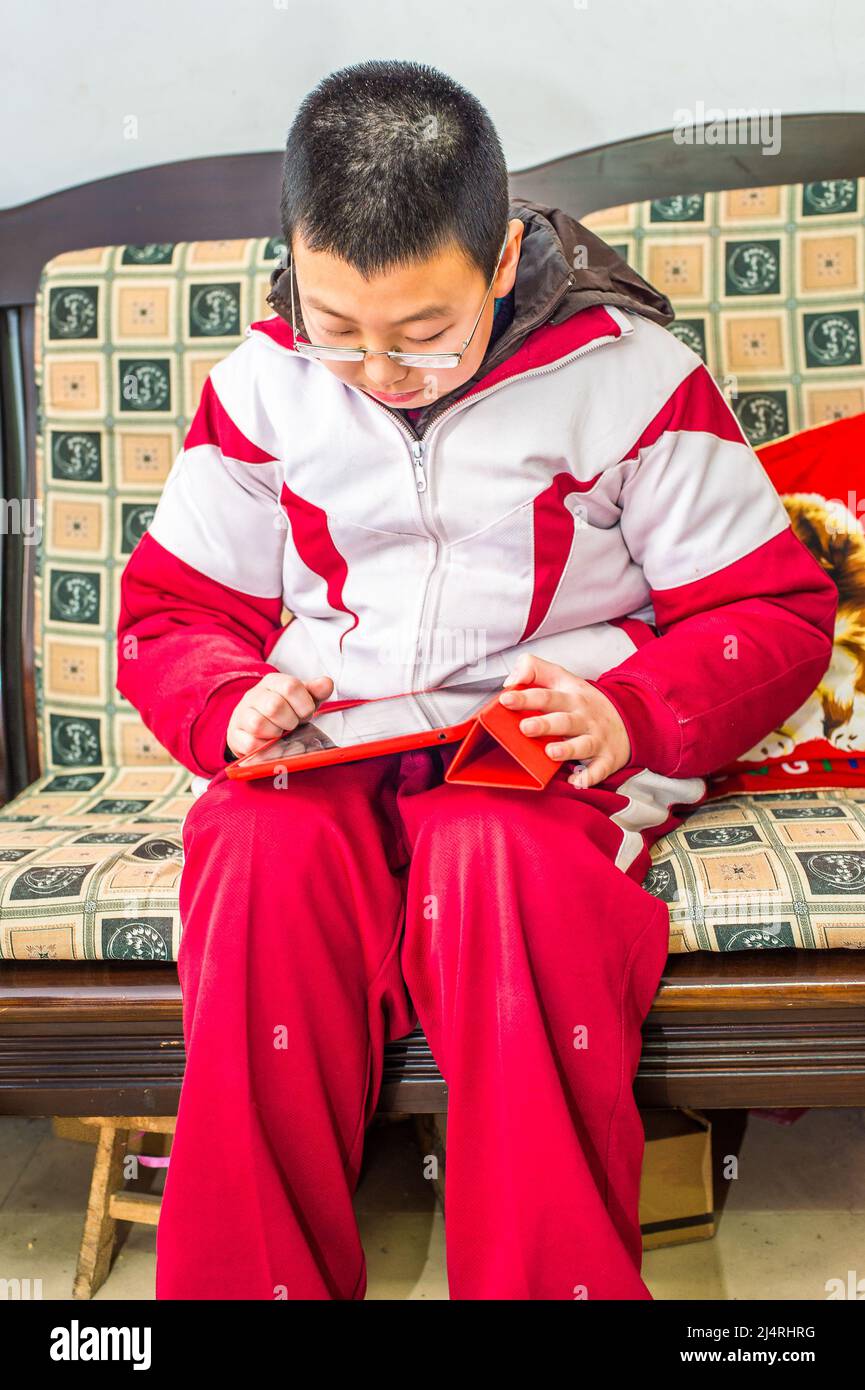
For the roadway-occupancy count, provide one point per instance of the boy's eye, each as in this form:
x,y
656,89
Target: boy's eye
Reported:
x,y
347,333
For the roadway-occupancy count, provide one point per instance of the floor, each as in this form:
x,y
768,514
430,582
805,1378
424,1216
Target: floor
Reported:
x,y
792,1219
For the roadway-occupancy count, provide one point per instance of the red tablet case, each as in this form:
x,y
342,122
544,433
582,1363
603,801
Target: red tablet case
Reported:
x,y
496,753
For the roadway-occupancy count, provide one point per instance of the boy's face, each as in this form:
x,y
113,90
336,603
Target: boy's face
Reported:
x,y
426,307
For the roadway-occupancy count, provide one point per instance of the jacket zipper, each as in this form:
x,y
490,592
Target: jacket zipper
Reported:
x,y
417,446
419,475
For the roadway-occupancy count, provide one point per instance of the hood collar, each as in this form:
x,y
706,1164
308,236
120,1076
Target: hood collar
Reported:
x,y
563,269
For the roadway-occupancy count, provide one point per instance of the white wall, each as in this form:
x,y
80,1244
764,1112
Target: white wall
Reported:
x,y
222,77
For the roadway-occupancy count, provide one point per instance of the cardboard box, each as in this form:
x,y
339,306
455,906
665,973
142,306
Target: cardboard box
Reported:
x,y
676,1193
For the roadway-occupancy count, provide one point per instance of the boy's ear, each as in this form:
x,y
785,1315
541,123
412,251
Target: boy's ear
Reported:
x,y
276,275
279,297
519,238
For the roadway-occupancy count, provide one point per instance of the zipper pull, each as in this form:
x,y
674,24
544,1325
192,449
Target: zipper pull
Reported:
x,y
420,476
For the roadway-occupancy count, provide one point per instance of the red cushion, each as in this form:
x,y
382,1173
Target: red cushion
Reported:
x,y
820,476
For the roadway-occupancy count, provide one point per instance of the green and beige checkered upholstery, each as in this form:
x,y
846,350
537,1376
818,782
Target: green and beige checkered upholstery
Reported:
x,y
783,869
90,862
126,337
768,285
768,288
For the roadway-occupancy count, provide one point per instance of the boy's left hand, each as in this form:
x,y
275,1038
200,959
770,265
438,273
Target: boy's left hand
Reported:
x,y
586,724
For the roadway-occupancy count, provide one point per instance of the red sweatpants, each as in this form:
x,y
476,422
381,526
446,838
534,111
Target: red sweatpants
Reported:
x,y
321,919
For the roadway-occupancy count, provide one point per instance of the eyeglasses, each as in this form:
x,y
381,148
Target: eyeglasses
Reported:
x,y
405,359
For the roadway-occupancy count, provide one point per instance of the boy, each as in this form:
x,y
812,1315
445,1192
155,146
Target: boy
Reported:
x,y
558,495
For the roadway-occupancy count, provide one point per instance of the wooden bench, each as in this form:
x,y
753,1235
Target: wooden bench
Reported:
x,y
777,1028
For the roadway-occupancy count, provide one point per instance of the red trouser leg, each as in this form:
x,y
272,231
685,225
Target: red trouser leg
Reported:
x,y
523,937
532,960
291,901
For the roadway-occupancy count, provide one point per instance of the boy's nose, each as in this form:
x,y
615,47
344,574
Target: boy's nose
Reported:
x,y
379,373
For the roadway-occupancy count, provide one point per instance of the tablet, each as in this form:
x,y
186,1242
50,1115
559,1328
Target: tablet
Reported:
x,y
368,728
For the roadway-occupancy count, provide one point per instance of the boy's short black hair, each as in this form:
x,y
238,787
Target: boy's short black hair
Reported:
x,y
387,162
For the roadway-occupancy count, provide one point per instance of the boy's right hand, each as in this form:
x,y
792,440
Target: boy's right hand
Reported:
x,y
277,704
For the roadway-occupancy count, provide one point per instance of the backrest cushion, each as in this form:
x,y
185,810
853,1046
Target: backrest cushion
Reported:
x,y
768,286
125,338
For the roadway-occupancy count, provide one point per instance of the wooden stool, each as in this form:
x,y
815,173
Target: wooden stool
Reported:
x,y
109,1200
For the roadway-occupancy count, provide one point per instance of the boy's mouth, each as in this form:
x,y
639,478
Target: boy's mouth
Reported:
x,y
391,398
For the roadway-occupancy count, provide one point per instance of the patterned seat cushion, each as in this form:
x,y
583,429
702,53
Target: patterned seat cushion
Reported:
x,y
783,869
90,864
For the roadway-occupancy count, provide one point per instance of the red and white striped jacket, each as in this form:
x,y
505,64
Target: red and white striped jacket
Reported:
x,y
592,499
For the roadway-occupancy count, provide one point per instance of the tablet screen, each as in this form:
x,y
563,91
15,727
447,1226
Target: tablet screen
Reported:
x,y
396,716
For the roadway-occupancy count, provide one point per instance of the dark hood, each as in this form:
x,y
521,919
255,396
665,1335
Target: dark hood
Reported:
x,y
549,287
550,245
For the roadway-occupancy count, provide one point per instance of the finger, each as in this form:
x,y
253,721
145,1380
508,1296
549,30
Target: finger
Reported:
x,y
302,703
258,724
242,743
266,717
289,707
282,681
278,707
320,687
533,668
537,698
287,687
559,722
589,775
304,697
522,671
583,746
